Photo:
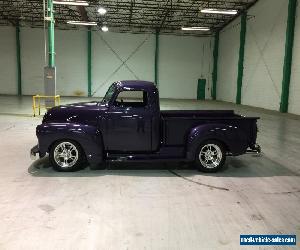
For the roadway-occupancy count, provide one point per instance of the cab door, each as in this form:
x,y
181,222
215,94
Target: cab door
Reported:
x,y
201,89
128,122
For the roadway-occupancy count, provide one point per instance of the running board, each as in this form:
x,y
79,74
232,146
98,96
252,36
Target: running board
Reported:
x,y
115,157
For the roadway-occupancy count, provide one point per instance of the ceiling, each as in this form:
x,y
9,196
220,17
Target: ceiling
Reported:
x,y
130,16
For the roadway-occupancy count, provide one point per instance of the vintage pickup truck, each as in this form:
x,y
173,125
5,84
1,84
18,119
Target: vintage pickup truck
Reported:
x,y
128,125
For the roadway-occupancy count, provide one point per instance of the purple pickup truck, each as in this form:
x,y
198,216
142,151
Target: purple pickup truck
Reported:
x,y
128,125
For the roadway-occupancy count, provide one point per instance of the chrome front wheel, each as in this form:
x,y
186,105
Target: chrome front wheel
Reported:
x,y
66,156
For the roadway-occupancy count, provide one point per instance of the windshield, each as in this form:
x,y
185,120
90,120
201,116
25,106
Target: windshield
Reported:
x,y
109,93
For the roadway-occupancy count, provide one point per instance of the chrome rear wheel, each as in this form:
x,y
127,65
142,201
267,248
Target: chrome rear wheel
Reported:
x,y
210,156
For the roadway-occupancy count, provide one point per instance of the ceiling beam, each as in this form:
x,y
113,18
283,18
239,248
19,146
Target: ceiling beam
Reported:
x,y
130,11
142,15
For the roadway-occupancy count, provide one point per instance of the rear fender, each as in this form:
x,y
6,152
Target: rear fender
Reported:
x,y
233,138
89,137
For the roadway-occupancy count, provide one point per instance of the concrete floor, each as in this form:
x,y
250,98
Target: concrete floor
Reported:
x,y
147,206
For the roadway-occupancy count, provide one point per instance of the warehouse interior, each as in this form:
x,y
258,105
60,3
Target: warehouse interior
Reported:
x,y
247,54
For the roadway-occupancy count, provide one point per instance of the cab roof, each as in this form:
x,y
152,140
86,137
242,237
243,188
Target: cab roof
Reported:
x,y
136,84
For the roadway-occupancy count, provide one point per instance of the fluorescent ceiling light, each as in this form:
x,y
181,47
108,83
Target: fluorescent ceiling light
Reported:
x,y
219,11
102,11
196,28
81,23
104,28
65,2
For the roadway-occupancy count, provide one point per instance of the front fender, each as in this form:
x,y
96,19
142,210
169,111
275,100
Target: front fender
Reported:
x,y
89,137
231,136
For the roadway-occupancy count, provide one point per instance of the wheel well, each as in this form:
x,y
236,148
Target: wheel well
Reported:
x,y
66,139
226,148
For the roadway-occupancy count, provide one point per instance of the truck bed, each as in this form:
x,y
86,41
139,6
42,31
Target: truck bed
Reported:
x,y
201,114
176,124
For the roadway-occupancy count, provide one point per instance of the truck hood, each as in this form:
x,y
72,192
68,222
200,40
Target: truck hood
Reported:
x,y
82,112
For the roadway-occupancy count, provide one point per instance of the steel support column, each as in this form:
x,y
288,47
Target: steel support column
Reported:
x,y
215,67
241,57
89,62
51,51
156,57
50,71
19,68
287,66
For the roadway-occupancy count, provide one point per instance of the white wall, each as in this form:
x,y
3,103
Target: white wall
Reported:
x,y
32,61
264,54
71,62
182,61
107,66
294,100
229,44
8,61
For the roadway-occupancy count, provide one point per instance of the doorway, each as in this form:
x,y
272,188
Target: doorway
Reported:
x,y
201,89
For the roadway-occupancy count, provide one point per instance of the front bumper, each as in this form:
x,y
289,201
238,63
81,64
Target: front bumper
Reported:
x,y
34,151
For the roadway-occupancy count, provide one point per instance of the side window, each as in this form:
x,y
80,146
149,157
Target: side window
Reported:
x,y
131,98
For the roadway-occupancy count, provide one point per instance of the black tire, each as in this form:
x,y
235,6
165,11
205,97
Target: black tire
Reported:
x,y
75,151
211,161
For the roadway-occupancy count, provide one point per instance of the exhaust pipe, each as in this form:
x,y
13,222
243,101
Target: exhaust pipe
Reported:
x,y
255,149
